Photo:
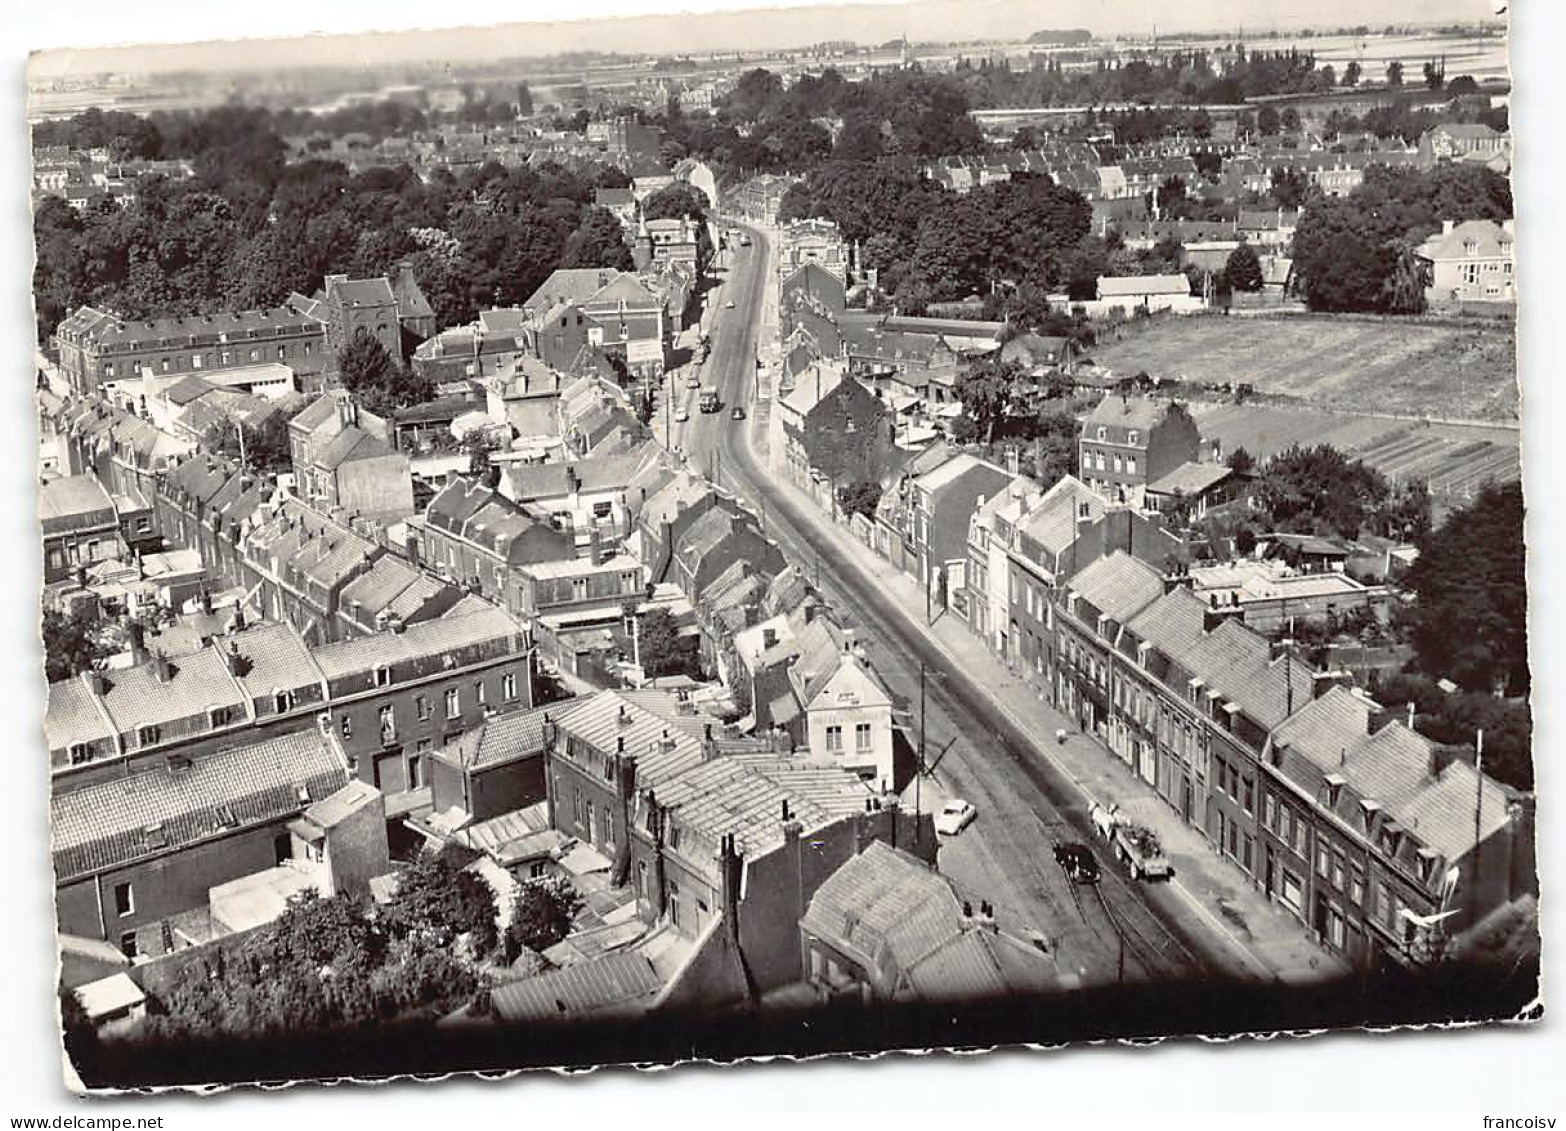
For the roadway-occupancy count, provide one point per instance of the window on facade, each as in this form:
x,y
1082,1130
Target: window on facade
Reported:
x,y
834,739
422,706
79,752
1323,861
124,900
347,726
147,735
1339,879
479,696
388,717
195,361
1248,792
453,702
1356,891
1270,812
164,365
415,771
508,686
674,903
217,717
579,589
255,355
1130,465
861,736
128,944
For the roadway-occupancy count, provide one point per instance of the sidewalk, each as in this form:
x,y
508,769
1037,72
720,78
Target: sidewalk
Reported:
x,y
1272,941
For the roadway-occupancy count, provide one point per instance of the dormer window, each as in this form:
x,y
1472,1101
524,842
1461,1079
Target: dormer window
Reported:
x,y
79,753
382,675
1132,436
1103,625
1103,433
1334,785
1367,813
217,717
1428,859
1194,688
1142,651
147,735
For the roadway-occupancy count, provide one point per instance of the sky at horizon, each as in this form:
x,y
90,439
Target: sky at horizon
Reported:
x,y
305,35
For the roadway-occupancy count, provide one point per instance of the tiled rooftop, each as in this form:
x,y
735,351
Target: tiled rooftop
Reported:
x,y
117,822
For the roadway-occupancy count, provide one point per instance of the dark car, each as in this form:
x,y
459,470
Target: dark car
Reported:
x,y
1078,862
738,413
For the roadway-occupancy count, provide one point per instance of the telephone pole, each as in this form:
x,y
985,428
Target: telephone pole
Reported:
x,y
919,763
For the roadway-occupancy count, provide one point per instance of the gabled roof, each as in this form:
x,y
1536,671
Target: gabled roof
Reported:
x,y
1052,521
598,721
1393,768
742,795
1118,586
1191,479
620,982
114,823
1486,238
1128,412
904,921
502,738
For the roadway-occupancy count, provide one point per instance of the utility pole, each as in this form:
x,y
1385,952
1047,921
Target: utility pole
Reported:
x,y
919,763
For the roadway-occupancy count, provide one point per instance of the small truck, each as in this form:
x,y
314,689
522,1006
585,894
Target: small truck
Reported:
x,y
1136,847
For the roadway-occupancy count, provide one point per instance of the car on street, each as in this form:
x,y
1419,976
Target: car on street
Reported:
x,y
955,816
693,382
729,305
1078,863
738,413
682,415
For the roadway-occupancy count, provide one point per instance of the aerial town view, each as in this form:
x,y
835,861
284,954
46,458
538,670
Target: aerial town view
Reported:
x,y
784,547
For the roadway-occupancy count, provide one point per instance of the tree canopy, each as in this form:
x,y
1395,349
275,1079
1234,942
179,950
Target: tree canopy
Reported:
x,y
1243,269
71,645
1469,622
1355,253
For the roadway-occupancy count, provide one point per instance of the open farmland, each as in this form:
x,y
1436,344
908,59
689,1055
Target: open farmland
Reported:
x,y
1448,370
1453,459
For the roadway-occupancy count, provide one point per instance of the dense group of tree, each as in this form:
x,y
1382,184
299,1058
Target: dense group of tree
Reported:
x,y
249,229
1469,620
1189,77
1356,253
1319,490
761,127
929,245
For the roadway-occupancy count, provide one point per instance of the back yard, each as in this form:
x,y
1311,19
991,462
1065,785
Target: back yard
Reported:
x,y
1456,371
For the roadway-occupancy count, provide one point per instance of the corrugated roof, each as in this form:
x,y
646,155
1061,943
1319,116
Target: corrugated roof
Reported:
x,y
622,981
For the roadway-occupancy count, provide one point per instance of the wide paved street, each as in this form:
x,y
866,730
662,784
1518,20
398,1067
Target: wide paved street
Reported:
x,y
975,749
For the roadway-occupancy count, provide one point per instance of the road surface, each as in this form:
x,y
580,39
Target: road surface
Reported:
x,y
1116,930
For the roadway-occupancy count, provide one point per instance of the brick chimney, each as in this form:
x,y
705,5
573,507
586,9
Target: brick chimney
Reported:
x,y
162,668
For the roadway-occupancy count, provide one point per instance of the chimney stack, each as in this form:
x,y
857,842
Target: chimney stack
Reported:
x,y
162,668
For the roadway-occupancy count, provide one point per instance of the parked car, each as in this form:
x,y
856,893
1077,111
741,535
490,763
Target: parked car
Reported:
x,y
954,817
693,381
1078,862
739,412
729,305
682,415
